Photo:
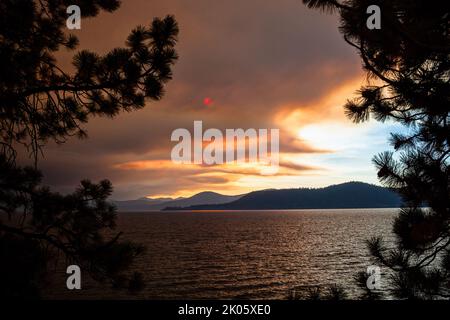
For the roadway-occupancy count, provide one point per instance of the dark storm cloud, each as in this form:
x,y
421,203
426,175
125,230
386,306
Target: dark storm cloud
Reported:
x,y
251,57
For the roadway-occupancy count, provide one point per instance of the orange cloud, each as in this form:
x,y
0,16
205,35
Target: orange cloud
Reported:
x,y
286,168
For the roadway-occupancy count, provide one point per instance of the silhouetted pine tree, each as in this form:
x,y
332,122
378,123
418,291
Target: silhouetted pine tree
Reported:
x,y
408,71
39,101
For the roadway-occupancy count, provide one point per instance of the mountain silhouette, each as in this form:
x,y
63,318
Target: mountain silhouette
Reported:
x,y
345,195
148,204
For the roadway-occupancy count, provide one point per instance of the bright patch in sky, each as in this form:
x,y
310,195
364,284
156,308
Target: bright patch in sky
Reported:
x,y
331,136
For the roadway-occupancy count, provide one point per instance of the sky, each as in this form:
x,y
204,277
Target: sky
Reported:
x,y
242,64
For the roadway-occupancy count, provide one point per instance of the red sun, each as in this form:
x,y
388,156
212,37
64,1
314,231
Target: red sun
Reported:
x,y
207,102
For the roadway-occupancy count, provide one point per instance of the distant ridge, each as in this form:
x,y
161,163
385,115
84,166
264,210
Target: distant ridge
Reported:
x,y
147,204
341,196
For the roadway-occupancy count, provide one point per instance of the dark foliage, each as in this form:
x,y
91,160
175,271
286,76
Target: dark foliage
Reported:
x,y
39,102
408,70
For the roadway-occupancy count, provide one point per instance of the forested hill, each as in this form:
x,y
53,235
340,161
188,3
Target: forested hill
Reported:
x,y
346,195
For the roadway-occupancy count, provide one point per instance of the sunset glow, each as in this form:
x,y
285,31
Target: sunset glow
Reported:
x,y
294,86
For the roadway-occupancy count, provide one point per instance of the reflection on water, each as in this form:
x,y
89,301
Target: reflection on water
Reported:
x,y
248,255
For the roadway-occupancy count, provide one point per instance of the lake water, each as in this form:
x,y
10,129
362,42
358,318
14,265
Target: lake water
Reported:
x,y
246,255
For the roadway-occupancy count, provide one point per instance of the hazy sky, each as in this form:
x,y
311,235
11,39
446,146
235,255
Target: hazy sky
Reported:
x,y
261,64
